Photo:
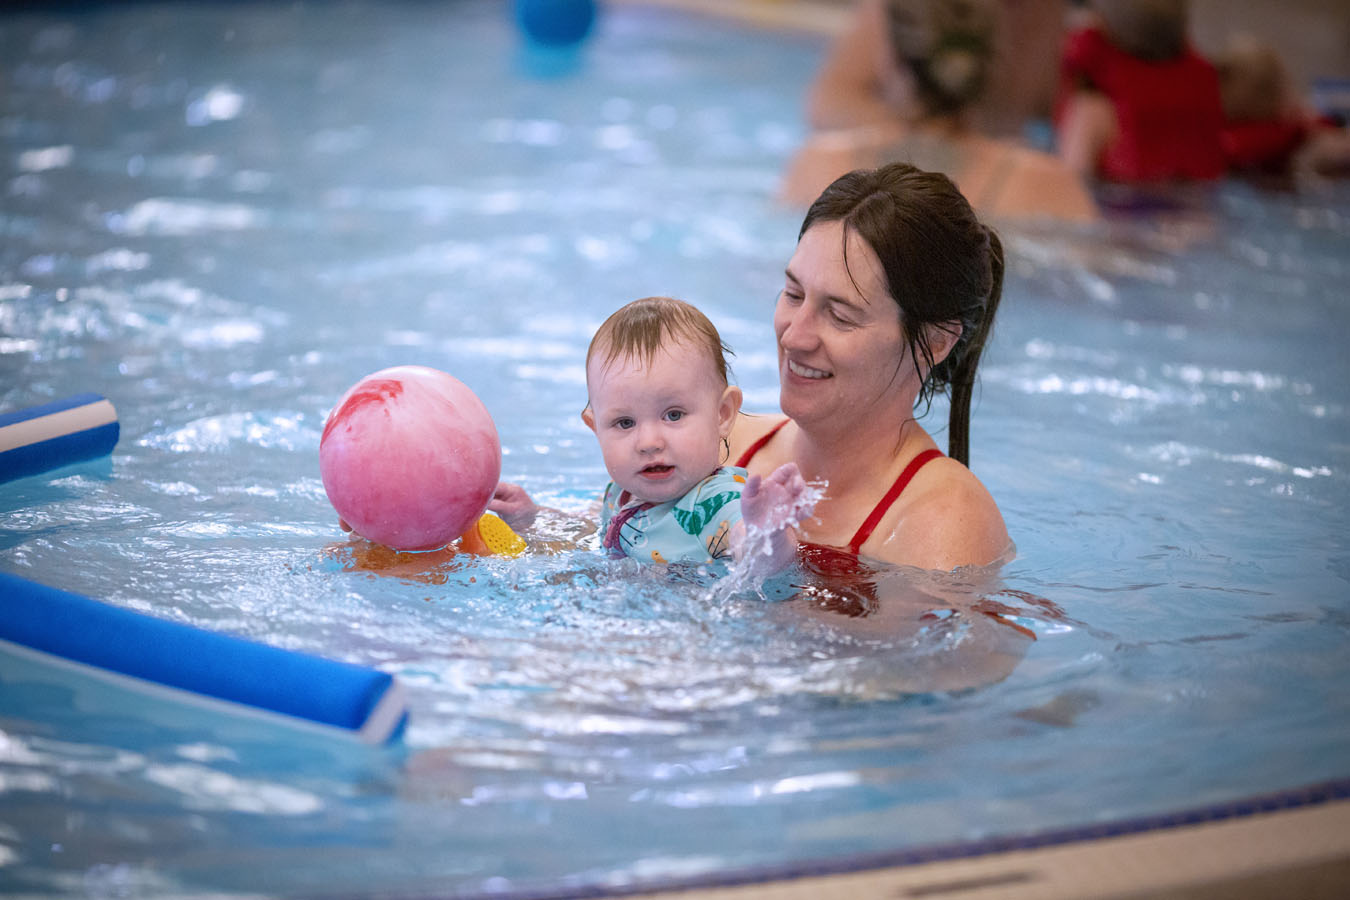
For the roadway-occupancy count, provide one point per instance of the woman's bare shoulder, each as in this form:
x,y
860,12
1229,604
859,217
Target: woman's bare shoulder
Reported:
x,y
948,519
1044,185
749,428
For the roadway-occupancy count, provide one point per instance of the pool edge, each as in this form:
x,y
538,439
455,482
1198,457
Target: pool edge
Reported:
x,y
1300,852
1289,843
811,17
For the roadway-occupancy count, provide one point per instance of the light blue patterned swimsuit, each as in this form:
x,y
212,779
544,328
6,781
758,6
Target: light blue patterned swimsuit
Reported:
x,y
694,528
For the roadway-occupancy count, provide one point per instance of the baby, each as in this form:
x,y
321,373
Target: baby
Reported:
x,y
661,408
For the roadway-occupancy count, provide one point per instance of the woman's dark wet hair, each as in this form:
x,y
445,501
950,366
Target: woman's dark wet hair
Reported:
x,y
942,265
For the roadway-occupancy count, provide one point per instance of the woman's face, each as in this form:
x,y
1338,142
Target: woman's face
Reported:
x,y
840,344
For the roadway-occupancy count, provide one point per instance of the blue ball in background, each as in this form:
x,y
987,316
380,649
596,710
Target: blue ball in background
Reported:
x,y
556,23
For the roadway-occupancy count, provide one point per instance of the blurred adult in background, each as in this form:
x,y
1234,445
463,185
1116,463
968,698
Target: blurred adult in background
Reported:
x,y
1137,103
871,76
912,82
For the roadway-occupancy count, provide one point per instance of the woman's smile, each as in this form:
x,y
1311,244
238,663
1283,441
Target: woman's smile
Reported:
x,y
806,371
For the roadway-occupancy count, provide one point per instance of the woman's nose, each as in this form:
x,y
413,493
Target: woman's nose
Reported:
x,y
798,331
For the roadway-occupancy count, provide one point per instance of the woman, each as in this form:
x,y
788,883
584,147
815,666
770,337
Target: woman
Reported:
x,y
868,76
889,299
946,50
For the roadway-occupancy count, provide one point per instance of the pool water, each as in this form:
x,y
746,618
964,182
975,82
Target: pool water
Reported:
x,y
223,215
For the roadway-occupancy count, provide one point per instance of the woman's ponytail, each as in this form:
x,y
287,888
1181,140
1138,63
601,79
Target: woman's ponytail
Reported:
x,y
963,374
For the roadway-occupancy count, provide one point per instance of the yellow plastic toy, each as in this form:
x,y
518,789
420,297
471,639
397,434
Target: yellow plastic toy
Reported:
x,y
490,536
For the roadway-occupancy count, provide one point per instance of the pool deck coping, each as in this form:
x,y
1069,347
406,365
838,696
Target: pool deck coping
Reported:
x,y
815,17
1303,852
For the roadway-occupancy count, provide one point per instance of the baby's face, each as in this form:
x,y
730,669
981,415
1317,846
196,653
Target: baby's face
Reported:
x,y
660,425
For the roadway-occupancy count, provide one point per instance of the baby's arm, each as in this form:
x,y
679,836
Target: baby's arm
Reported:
x,y
545,529
510,501
770,507
513,504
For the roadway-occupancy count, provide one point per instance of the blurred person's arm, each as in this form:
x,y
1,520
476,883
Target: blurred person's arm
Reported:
x,y
1326,151
1086,127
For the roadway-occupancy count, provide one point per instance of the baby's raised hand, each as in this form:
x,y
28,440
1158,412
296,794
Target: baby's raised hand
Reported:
x,y
776,502
513,504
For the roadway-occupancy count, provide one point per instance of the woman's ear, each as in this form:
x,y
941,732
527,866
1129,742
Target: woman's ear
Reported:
x,y
727,409
942,337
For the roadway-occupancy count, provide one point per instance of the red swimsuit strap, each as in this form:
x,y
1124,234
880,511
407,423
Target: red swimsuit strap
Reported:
x,y
754,448
870,523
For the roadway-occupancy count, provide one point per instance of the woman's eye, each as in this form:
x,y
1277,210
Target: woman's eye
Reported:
x,y
840,319
792,296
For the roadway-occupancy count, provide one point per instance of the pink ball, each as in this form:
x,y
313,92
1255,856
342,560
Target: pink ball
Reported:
x,y
410,457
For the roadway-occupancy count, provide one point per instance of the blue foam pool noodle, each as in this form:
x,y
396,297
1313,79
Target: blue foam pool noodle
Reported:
x,y
46,437
199,665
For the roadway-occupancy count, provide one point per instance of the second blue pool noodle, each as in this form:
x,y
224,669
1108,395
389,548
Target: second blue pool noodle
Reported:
x,y
364,702
45,437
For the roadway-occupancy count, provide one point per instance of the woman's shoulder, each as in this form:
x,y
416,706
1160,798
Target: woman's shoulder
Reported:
x,y
1026,182
749,428
948,519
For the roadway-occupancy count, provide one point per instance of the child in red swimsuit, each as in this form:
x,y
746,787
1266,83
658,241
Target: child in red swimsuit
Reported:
x,y
1137,103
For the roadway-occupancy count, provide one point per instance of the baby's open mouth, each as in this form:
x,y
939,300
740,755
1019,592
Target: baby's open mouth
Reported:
x,y
657,469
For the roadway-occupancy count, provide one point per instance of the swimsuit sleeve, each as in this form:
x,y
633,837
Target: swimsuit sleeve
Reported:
x,y
607,505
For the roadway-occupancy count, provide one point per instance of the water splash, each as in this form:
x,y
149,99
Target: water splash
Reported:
x,y
747,573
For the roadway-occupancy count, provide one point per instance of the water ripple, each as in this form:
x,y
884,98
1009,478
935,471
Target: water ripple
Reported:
x,y
217,434
204,788
183,218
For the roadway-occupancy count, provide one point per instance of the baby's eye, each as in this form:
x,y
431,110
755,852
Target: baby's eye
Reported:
x,y
624,423
675,415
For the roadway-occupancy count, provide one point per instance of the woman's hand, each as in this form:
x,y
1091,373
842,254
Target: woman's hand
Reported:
x,y
513,504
